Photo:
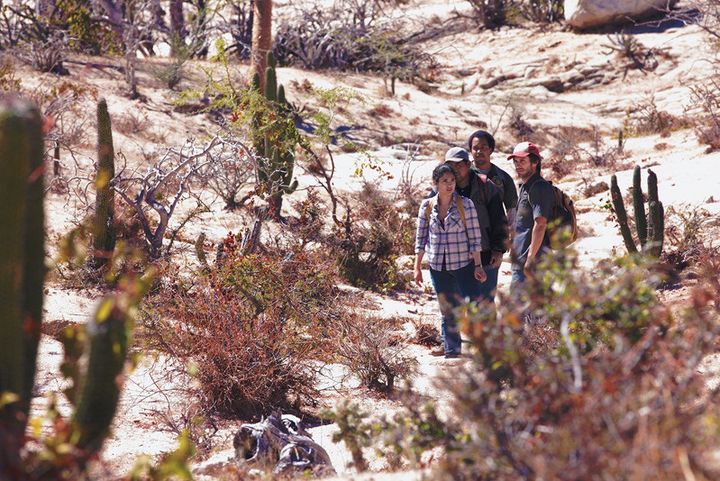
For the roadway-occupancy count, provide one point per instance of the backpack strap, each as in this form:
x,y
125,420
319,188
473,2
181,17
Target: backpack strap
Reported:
x,y
458,204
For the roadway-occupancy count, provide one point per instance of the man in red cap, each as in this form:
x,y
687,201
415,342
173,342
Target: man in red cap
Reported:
x,y
535,203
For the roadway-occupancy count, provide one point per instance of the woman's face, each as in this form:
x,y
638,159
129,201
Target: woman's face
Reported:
x,y
481,153
446,183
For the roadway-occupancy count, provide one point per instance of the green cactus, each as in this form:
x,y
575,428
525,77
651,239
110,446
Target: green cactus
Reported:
x,y
103,228
96,386
651,227
639,208
621,214
99,390
275,141
22,266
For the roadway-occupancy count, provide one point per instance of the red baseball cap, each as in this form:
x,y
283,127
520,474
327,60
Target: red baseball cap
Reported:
x,y
523,149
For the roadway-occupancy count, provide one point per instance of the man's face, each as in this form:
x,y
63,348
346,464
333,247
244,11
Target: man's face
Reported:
x,y
461,169
523,167
481,153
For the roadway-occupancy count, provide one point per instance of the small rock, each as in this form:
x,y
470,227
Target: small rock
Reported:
x,y
553,84
710,200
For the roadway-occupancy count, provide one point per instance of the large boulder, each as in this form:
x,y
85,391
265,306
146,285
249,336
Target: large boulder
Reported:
x,y
582,14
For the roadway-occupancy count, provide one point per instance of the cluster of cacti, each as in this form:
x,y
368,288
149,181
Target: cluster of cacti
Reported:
x,y
95,390
104,225
275,138
650,227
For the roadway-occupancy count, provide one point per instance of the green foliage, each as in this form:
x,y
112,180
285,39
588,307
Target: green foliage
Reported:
x,y
86,34
95,356
354,430
554,396
275,138
173,466
651,227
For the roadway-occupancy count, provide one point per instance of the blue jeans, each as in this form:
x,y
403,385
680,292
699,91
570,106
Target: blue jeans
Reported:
x,y
488,288
517,283
451,288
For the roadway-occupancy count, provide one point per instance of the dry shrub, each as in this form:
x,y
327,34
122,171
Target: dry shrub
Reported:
x,y
425,334
686,230
381,110
644,118
573,146
521,130
374,350
609,388
130,123
251,327
706,98
350,35
381,233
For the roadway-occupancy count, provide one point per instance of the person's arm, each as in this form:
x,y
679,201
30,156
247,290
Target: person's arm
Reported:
x,y
541,200
422,235
498,227
510,197
474,235
536,240
418,267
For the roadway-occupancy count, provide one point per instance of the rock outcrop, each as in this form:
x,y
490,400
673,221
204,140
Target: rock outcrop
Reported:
x,y
583,14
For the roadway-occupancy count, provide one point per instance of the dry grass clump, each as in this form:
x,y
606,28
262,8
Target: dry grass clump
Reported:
x,y
706,98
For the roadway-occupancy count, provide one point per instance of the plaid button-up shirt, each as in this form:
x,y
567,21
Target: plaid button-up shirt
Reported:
x,y
451,242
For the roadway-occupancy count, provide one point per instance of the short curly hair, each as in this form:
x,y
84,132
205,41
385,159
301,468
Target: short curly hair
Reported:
x,y
482,134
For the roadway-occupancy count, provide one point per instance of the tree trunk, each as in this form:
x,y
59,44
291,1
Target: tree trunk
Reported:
x,y
261,38
177,26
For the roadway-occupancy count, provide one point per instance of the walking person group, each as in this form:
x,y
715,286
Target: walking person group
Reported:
x,y
464,229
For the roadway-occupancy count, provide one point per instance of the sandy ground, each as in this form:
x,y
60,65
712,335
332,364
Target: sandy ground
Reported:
x,y
687,175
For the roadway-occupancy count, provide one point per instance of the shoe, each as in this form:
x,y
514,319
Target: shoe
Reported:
x,y
438,351
452,355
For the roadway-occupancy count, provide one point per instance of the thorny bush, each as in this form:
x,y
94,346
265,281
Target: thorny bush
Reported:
x,y
251,327
538,401
381,233
374,350
348,36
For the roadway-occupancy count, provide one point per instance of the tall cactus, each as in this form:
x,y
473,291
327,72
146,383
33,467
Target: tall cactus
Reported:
x,y
22,271
104,222
275,143
650,227
22,267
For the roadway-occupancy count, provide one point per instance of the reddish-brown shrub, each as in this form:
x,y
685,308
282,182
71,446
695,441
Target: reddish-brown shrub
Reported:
x,y
252,327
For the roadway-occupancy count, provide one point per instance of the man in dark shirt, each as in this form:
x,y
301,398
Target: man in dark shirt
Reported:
x,y
481,144
535,204
493,223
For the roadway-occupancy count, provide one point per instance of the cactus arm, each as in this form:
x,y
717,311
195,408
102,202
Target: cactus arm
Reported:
x,y
619,208
652,187
656,228
639,208
103,229
270,83
99,393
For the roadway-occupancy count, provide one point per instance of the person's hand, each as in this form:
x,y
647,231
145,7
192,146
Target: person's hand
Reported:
x,y
529,266
480,274
496,259
418,277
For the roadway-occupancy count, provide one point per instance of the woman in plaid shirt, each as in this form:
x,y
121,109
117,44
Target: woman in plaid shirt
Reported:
x,y
453,249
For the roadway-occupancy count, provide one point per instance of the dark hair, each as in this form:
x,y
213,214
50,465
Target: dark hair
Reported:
x,y
441,170
482,134
535,159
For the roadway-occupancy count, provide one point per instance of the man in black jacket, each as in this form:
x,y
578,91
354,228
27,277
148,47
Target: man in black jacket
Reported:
x,y
481,144
489,205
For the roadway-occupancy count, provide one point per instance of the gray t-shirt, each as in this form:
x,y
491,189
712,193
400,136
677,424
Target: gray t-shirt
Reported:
x,y
536,199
